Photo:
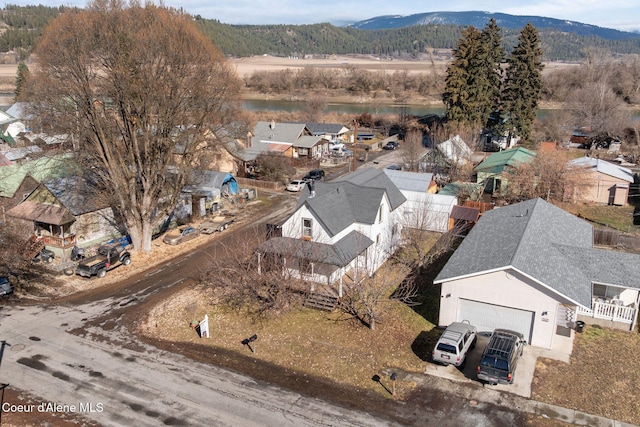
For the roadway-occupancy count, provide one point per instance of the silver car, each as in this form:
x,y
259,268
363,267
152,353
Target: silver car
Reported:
x,y
5,286
184,234
454,343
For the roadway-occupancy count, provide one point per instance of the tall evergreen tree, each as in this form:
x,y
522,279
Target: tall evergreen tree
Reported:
x,y
21,76
492,55
523,83
460,94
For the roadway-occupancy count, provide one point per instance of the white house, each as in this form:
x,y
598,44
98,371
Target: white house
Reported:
x,y
349,226
531,267
455,151
422,210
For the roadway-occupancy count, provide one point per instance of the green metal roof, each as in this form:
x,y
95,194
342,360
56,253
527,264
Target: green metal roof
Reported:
x,y
41,169
457,188
496,162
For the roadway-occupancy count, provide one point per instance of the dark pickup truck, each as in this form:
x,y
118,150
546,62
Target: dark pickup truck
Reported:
x,y
108,257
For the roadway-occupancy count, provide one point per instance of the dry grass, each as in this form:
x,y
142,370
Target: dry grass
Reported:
x,y
603,377
320,344
617,217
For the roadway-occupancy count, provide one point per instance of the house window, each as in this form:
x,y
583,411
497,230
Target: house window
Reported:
x,y
606,293
394,229
380,214
307,228
378,239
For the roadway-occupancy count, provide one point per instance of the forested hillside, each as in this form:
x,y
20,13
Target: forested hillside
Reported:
x,y
23,25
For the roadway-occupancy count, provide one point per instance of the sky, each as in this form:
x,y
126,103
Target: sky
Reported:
x,y
618,14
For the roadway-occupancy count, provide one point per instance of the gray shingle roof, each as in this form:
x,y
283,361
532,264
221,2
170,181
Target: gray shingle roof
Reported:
x,y
326,128
339,254
410,181
375,178
355,198
307,141
268,132
605,266
338,205
531,237
80,195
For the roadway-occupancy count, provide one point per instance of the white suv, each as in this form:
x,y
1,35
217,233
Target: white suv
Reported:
x,y
455,341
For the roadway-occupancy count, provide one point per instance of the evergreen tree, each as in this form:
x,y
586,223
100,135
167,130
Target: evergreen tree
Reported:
x,y
492,56
523,84
21,76
460,95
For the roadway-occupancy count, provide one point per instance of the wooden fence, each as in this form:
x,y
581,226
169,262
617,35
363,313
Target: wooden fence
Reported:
x,y
603,237
256,183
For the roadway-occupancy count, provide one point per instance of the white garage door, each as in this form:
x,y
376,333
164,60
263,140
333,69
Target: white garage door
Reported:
x,y
487,317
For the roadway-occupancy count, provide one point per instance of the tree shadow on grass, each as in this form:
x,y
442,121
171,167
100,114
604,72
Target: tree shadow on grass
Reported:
x,y
428,294
424,343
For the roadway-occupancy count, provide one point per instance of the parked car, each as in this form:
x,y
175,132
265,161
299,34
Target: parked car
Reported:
x,y
500,357
394,167
45,255
314,175
334,145
391,145
5,286
454,343
184,234
108,257
296,185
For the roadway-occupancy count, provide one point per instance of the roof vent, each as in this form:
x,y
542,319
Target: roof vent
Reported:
x,y
526,213
272,125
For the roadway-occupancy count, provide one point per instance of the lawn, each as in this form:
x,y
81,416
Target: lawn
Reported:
x,y
617,217
322,344
602,378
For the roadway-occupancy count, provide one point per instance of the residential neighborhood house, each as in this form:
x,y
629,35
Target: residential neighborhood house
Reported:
x,y
18,180
350,226
423,209
66,212
531,267
595,180
493,172
333,132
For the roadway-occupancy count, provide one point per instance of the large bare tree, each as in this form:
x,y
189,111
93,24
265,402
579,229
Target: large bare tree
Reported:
x,y
139,91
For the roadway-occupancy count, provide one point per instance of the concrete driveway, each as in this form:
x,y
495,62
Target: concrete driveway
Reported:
x,y
469,373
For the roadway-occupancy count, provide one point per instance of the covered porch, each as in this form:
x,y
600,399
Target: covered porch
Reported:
x,y
612,307
52,225
315,262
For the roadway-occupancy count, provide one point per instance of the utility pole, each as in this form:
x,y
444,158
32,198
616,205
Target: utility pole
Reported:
x,y
355,143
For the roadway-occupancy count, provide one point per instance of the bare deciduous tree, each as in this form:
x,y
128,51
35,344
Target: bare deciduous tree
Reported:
x,y
412,150
546,176
140,91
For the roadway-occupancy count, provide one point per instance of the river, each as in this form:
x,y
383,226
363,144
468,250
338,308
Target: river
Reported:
x,y
372,108
343,107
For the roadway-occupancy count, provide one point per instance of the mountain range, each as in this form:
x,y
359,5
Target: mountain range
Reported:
x,y
479,19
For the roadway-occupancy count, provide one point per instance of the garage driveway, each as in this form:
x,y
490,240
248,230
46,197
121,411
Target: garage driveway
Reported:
x,y
524,371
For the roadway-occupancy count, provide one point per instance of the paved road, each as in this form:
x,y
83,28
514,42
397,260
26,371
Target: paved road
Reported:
x,y
135,384
78,355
